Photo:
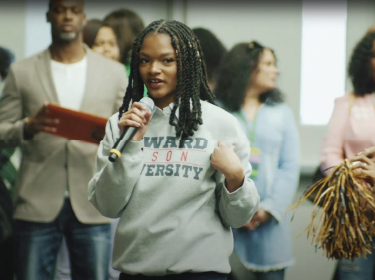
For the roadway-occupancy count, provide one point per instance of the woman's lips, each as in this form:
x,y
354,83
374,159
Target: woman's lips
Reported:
x,y
155,83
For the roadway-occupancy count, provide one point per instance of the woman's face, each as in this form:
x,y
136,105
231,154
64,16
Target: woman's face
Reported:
x,y
264,76
158,68
106,43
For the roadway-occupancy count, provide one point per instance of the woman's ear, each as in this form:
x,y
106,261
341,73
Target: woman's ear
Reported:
x,y
48,19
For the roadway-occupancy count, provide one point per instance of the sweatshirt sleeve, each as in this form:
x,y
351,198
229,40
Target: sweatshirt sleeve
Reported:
x,y
112,185
285,181
238,207
11,123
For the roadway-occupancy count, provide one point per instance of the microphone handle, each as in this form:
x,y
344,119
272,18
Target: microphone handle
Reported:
x,y
120,144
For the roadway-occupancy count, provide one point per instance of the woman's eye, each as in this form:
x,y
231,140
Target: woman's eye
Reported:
x,y
142,61
168,60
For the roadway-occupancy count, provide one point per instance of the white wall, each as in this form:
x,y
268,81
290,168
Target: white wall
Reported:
x,y
148,10
12,27
37,30
275,24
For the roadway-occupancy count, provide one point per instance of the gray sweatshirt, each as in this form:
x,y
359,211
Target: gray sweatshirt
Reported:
x,y
175,211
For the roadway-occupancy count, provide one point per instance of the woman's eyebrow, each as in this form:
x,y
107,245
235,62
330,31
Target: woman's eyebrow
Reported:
x,y
163,54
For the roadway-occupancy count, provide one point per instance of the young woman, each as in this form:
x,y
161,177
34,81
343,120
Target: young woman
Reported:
x,y
127,25
182,182
247,88
101,39
351,130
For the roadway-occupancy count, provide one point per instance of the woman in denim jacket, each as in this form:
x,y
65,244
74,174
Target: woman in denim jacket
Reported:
x,y
246,88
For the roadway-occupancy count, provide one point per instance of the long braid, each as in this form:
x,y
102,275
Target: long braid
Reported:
x,y
187,86
191,85
189,118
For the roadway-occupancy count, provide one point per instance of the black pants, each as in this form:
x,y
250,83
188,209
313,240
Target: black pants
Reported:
x,y
183,276
6,259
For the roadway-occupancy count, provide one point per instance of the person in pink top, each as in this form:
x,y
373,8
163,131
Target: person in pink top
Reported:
x,y
352,130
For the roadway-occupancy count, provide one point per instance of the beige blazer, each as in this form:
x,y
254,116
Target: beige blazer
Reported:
x,y
50,164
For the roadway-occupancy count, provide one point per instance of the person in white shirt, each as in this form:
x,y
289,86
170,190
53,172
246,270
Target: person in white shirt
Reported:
x,y
102,40
51,187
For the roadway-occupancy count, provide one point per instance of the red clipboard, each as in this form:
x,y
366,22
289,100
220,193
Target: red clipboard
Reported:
x,y
76,125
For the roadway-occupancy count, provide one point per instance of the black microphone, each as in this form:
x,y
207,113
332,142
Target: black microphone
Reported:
x,y
129,132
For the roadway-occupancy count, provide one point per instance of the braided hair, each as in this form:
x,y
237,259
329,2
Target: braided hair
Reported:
x,y
360,70
235,74
191,77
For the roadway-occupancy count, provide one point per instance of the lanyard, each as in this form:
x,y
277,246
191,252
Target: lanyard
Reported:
x,y
250,131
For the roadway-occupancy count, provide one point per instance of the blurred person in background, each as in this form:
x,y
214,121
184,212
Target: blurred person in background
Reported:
x,y
127,25
246,88
351,129
213,53
51,187
102,40
7,176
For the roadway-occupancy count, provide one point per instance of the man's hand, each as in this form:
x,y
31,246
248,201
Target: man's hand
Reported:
x,y
39,123
225,160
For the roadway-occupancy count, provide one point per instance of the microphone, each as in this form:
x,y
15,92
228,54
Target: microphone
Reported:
x,y
129,132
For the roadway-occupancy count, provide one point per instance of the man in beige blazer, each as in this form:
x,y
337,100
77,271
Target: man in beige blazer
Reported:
x,y
51,199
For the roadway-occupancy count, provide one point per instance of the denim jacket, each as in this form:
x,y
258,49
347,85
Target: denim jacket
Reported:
x,y
269,246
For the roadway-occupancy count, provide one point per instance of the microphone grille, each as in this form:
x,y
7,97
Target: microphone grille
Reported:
x,y
149,102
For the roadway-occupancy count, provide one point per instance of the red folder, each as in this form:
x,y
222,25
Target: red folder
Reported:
x,y
77,125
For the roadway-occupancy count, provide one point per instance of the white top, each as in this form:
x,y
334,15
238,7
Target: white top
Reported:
x,y
70,82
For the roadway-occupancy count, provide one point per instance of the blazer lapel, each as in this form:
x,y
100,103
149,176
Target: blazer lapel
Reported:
x,y
91,78
43,70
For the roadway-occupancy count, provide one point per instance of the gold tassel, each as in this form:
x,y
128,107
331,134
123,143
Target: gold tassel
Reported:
x,y
343,227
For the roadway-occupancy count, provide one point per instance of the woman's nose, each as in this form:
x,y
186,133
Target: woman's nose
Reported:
x,y
154,68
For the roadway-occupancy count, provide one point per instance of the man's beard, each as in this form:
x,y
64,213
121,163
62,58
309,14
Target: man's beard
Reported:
x,y
64,37
67,37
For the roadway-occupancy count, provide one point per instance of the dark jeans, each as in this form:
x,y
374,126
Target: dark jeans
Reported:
x,y
37,246
358,269
183,276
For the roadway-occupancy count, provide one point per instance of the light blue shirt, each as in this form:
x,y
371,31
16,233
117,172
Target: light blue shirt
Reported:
x,y
276,136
